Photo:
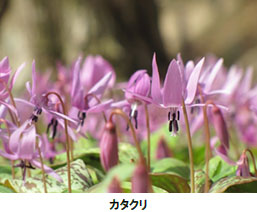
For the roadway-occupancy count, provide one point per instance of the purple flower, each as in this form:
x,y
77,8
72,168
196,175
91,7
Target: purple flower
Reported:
x,y
22,146
94,69
5,72
39,101
88,102
175,89
138,84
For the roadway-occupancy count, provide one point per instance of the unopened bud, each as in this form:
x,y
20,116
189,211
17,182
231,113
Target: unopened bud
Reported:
x,y
114,186
140,179
109,147
220,126
163,150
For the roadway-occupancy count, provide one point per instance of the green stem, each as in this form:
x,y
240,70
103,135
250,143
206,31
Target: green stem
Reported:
x,y
190,148
148,139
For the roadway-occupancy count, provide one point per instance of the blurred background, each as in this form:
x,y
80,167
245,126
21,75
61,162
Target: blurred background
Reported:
x,y
127,32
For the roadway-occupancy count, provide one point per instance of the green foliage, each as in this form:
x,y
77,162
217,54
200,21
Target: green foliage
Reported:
x,y
172,166
218,169
235,184
172,183
80,178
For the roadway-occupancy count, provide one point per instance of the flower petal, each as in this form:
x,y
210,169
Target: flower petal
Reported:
x,y
193,82
172,89
156,87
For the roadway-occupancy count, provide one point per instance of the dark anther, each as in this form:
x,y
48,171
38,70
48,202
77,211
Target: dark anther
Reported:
x,y
34,118
23,165
178,115
49,125
169,116
170,126
135,118
30,166
175,124
39,111
51,160
82,117
55,124
173,116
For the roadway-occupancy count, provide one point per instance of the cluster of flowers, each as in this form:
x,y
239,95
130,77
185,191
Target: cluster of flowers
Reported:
x,y
92,98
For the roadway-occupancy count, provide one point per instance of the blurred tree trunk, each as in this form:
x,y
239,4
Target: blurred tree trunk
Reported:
x,y
134,24
48,45
4,4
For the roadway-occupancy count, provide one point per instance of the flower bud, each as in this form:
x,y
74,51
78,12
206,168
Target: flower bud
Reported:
x,y
220,126
109,147
114,186
140,180
243,166
163,150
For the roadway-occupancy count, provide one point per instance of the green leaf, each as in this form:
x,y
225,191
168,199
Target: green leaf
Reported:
x,y
90,157
171,165
218,169
170,182
122,171
80,181
235,184
127,153
200,181
4,189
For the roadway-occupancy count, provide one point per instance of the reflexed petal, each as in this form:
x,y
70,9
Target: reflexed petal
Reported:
x,y
34,78
215,70
4,65
16,74
172,89
100,107
76,78
193,82
100,86
47,169
156,87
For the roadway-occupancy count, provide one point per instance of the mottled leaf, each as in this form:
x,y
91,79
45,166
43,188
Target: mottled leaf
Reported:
x,y
170,182
80,181
200,181
235,184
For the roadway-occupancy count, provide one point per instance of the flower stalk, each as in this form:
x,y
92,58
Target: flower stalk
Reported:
x,y
148,138
67,138
190,148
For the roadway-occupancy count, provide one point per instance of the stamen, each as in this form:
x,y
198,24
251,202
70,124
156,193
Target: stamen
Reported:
x,y
175,124
170,126
169,117
49,125
55,124
173,116
135,118
178,115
